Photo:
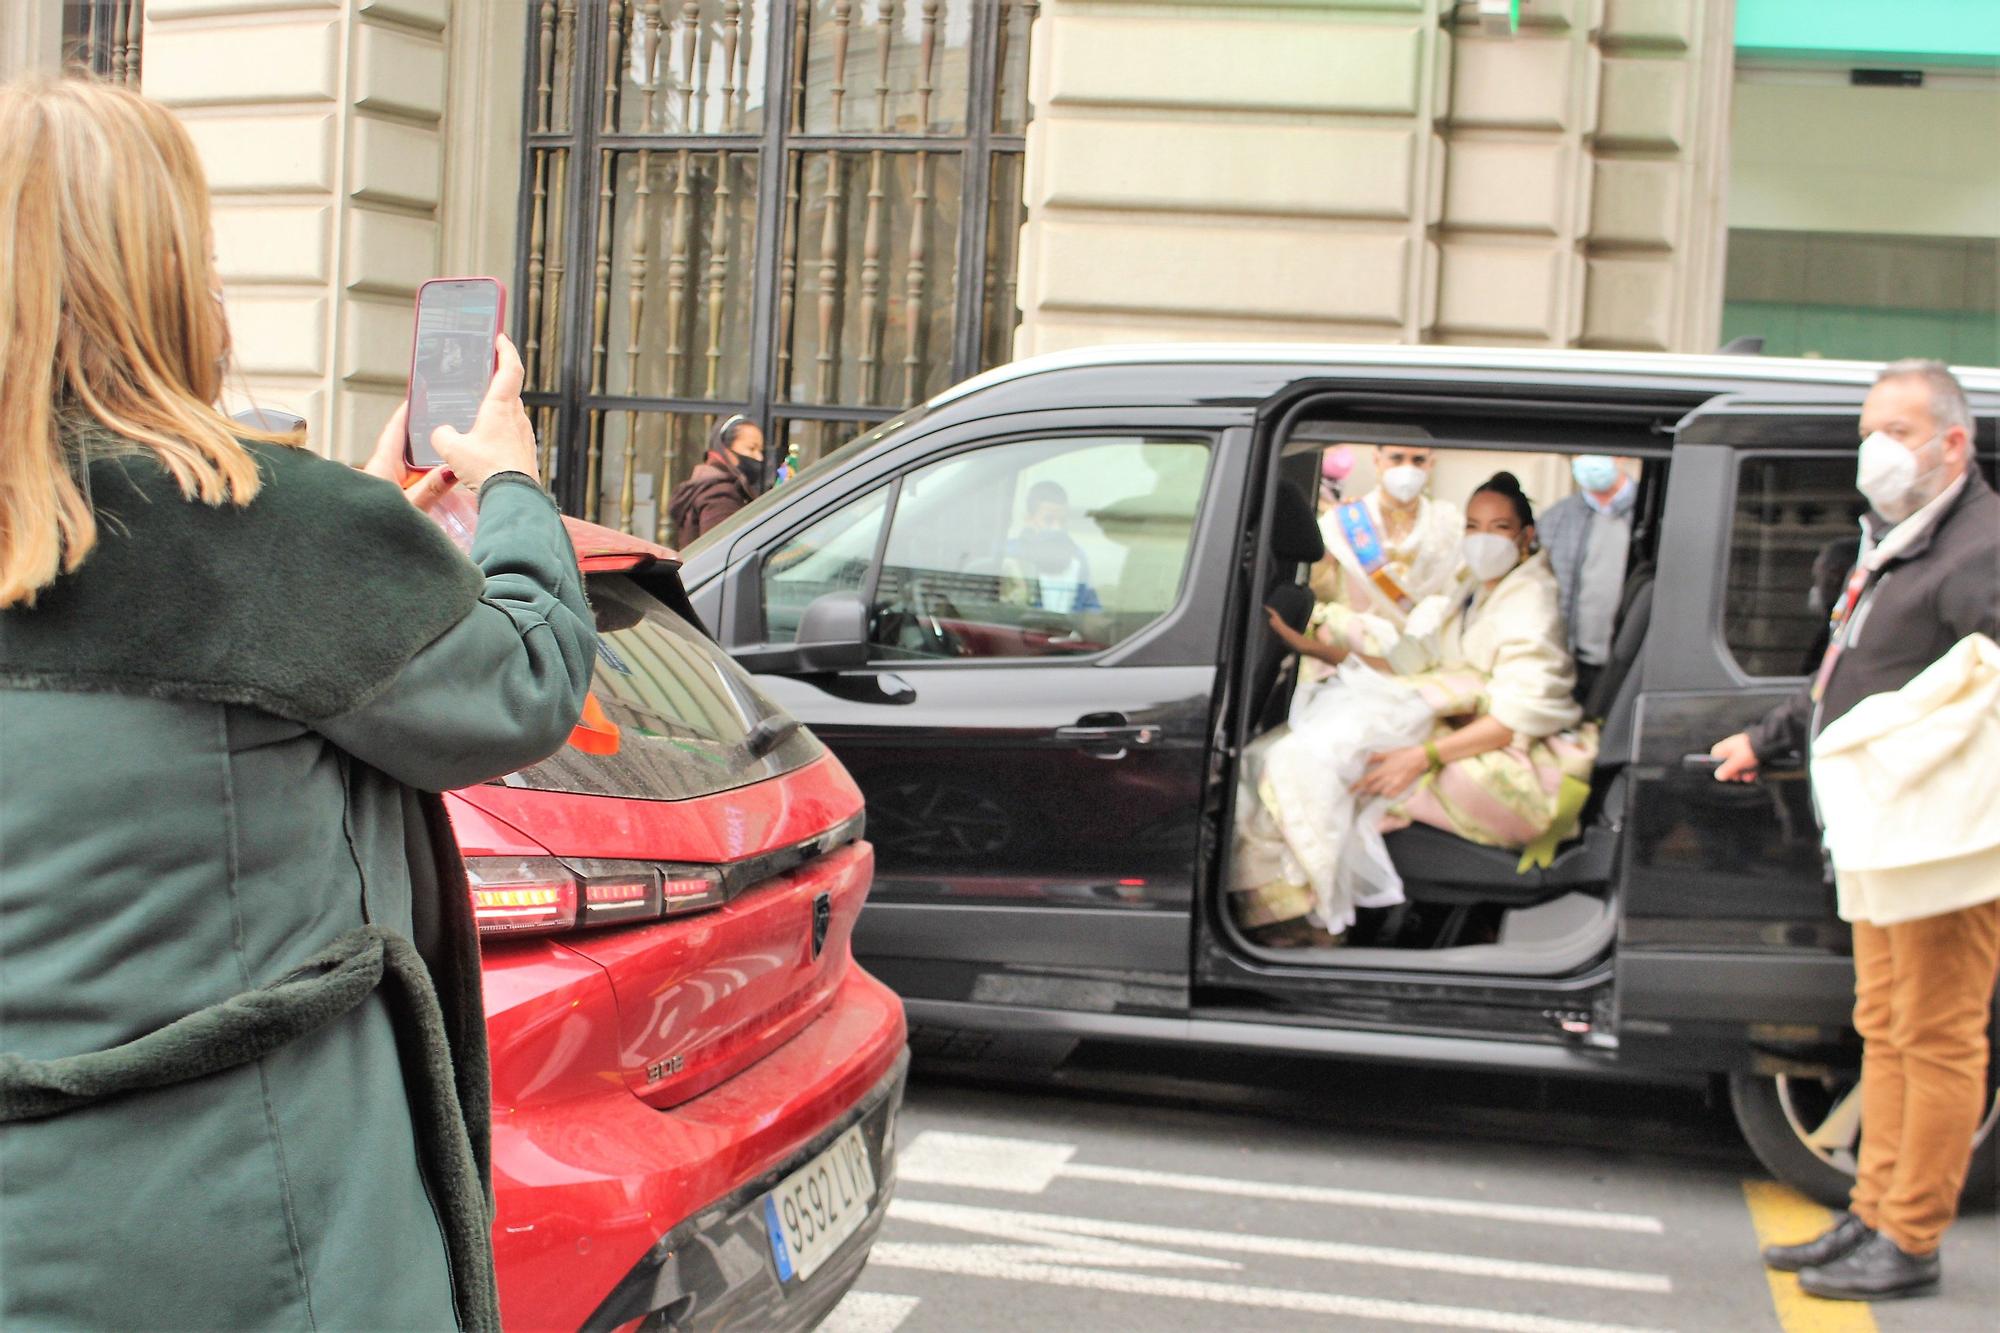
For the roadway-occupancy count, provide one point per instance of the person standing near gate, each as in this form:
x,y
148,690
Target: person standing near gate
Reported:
x,y
1911,652
727,479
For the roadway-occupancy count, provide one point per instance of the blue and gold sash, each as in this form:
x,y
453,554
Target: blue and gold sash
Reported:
x,y
1357,525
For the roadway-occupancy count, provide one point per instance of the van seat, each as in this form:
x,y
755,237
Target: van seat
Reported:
x,y
1440,867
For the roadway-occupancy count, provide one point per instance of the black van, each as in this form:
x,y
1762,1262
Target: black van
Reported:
x,y
1050,773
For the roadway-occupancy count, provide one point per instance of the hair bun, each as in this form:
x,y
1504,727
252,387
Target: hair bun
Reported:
x,y
1504,482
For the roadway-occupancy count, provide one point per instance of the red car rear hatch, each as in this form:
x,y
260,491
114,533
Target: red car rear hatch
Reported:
x,y
691,839
702,996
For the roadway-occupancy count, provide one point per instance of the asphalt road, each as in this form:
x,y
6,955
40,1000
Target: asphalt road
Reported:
x,y
1283,1198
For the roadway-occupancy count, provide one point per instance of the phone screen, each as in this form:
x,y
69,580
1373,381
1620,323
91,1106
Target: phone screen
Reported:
x,y
457,320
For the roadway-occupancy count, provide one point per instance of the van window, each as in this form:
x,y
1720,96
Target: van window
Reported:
x,y
831,555
681,714
1038,548
1794,537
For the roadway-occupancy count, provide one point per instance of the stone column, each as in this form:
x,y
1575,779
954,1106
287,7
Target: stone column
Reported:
x,y
323,125
1377,170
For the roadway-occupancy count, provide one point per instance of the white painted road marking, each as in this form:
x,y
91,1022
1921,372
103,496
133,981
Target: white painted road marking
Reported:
x,y
1047,1239
973,1261
982,1162
1066,1234
1029,1166
868,1312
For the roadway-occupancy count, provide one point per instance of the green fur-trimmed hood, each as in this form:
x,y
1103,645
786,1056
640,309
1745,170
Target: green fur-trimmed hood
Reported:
x,y
185,600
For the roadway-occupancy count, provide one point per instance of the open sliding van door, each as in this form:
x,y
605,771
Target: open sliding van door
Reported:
x,y
1728,940
1534,998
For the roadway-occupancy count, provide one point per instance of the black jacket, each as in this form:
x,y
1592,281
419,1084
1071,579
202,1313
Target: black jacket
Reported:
x,y
1945,587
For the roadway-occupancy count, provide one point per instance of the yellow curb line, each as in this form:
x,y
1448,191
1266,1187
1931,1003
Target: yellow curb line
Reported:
x,y
1783,1216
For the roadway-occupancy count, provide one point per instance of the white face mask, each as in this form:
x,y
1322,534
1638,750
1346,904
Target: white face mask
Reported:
x,y
1888,474
1406,483
1489,555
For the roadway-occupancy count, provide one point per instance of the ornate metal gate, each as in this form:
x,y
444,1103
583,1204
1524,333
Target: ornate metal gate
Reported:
x,y
103,36
805,211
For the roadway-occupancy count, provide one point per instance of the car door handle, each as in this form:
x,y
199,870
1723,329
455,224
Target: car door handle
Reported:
x,y
1108,741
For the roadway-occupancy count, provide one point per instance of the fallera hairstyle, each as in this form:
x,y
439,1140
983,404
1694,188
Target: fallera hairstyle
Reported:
x,y
1508,487
1947,395
109,317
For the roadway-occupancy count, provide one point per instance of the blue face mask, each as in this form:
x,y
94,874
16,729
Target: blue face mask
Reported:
x,y
1595,473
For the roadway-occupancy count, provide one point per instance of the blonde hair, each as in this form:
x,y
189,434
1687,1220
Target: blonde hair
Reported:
x,y
109,314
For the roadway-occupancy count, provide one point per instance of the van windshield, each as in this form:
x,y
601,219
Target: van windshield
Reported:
x,y
671,716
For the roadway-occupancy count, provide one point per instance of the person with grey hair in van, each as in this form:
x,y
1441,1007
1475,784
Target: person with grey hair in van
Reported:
x,y
1920,607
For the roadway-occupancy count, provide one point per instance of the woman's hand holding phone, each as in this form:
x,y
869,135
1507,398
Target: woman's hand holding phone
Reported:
x,y
502,439
423,489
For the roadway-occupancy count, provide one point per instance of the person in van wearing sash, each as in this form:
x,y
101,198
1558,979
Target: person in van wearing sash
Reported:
x,y
1387,551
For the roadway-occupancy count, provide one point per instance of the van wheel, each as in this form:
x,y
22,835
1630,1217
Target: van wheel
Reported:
x,y
1807,1132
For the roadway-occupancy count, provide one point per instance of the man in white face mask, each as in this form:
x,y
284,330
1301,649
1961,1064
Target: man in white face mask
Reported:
x,y
1917,859
1588,537
1386,552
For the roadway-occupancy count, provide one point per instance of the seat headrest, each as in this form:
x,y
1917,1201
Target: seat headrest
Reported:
x,y
1295,532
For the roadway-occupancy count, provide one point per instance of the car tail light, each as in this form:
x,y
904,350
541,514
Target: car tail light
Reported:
x,y
541,894
615,892
690,890
521,893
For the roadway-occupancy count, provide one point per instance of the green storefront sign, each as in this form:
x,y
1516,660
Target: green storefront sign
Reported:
x,y
1887,32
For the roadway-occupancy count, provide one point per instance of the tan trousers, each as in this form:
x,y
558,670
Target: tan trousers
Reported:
x,y
1922,995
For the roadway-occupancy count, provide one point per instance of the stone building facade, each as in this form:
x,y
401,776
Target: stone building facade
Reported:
x,y
1378,170
1327,170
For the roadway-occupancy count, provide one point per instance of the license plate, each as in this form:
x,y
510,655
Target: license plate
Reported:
x,y
819,1205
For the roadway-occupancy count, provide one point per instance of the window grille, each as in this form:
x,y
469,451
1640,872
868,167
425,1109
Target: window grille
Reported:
x,y
103,37
805,211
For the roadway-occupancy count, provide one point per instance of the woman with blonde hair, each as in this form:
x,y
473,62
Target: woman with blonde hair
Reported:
x,y
242,1060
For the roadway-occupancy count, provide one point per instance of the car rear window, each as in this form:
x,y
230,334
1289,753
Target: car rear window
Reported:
x,y
672,717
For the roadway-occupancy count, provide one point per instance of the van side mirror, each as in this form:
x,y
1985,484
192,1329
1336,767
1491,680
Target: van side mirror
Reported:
x,y
833,636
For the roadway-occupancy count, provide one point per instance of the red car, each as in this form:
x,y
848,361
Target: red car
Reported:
x,y
694,1085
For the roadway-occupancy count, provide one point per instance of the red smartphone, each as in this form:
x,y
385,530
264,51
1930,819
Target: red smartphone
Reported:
x,y
451,359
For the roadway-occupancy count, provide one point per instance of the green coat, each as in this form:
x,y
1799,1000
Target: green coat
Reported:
x,y
214,740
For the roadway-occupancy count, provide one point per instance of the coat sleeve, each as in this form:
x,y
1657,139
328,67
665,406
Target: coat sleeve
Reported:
x,y
503,687
1531,685
1968,602
1782,731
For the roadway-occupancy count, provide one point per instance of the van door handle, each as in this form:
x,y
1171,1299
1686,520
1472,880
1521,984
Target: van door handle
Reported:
x,y
1108,740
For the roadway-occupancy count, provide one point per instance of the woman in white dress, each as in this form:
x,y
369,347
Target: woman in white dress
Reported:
x,y
1484,741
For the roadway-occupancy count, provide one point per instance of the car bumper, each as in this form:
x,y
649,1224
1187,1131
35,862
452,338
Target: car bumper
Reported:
x,y
611,1210
715,1271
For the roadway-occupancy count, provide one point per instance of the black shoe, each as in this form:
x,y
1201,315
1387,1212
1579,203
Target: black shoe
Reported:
x,y
1840,1239
1876,1270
